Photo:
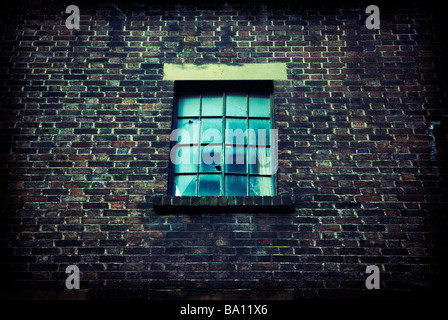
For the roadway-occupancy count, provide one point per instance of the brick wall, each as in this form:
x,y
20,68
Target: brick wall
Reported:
x,y
85,124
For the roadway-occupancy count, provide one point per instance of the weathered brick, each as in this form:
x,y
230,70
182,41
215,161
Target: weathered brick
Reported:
x,y
86,120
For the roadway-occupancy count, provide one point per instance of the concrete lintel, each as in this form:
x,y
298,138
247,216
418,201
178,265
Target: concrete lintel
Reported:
x,y
248,71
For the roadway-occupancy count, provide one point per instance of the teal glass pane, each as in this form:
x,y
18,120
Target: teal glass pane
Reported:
x,y
259,105
212,104
185,185
261,186
236,131
209,185
211,158
260,161
184,158
236,185
211,130
259,133
189,105
235,159
236,104
187,131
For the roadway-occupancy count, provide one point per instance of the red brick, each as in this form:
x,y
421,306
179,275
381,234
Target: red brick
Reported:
x,y
86,120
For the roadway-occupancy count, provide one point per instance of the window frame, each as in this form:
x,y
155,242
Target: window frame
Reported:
x,y
223,86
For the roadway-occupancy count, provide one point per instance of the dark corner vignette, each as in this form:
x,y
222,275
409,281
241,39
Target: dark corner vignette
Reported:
x,y
239,151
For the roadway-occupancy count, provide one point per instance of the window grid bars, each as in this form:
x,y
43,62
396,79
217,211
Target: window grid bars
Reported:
x,y
224,118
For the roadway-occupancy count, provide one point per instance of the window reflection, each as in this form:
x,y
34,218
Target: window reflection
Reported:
x,y
189,104
209,185
236,185
260,161
185,185
260,186
211,158
236,104
212,104
221,145
259,105
235,161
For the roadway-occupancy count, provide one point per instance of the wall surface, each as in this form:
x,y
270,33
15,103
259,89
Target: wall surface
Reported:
x,y
85,122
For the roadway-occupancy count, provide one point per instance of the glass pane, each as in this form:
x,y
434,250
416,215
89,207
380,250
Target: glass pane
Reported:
x,y
209,185
212,104
236,104
211,130
236,130
236,185
261,186
187,131
235,161
259,105
211,158
260,161
189,105
259,133
185,158
185,185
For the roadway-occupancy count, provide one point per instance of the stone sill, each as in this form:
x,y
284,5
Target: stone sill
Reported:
x,y
242,204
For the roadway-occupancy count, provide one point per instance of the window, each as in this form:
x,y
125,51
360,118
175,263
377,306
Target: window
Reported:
x,y
223,143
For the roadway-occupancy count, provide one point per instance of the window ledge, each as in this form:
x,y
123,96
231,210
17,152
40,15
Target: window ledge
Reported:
x,y
242,204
